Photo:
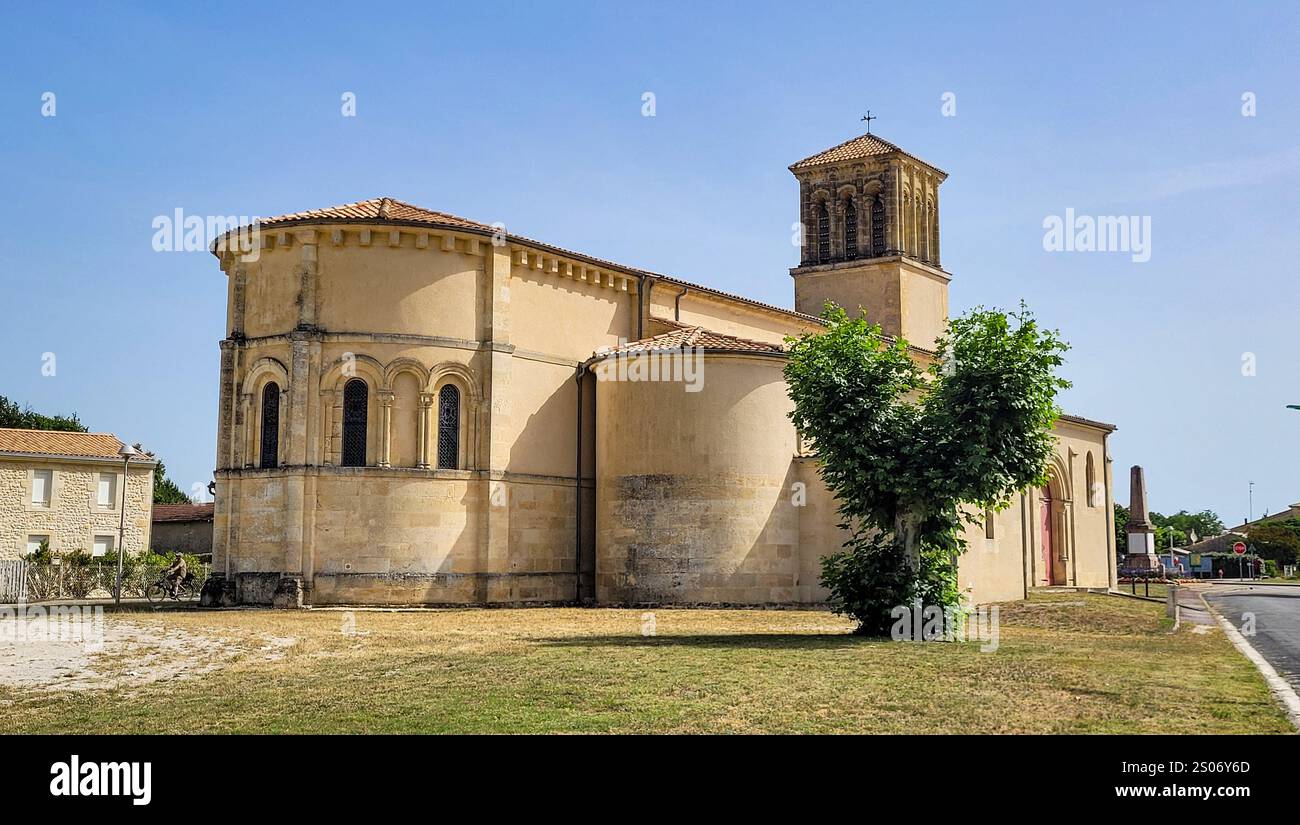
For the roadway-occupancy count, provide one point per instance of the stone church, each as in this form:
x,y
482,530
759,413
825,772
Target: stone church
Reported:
x,y
417,408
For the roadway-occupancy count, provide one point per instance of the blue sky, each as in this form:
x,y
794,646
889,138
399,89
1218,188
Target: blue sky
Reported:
x,y
531,115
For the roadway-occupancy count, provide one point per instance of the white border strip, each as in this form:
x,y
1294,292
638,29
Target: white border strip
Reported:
x,y
1282,690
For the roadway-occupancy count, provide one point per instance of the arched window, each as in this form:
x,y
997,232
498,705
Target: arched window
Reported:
x,y
270,426
448,428
823,232
990,528
878,226
850,228
355,395
1092,482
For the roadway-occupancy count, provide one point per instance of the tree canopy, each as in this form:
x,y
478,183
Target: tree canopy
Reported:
x,y
25,418
1278,541
909,453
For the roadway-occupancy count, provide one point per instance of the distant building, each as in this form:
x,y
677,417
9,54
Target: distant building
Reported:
x,y
65,488
183,527
1292,511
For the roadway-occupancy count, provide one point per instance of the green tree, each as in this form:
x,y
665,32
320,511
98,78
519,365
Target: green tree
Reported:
x,y
25,418
165,491
1121,535
1291,524
1271,541
1183,524
910,455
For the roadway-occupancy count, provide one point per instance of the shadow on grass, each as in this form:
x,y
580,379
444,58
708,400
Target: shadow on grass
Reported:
x,y
771,641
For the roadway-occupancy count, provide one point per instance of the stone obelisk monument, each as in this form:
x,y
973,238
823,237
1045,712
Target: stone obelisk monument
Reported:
x,y
1141,532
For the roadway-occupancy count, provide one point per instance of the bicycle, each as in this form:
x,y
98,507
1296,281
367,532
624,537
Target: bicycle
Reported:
x,y
159,591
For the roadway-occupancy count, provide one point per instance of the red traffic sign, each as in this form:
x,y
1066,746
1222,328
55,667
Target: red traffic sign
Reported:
x,y
1239,548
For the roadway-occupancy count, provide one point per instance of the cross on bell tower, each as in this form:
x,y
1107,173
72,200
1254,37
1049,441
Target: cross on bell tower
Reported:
x,y
868,117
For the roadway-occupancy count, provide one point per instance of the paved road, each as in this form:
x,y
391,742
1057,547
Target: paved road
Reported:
x,y
1276,610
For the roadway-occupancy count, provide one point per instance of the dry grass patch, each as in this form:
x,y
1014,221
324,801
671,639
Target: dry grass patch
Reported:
x,y
1066,663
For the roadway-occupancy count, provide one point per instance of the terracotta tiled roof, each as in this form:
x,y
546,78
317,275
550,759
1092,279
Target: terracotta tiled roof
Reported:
x,y
689,337
376,209
183,512
390,210
863,146
52,442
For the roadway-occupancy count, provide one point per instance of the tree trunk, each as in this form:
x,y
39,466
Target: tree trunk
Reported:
x,y
907,536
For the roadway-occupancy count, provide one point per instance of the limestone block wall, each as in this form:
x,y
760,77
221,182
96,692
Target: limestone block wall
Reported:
x,y
406,536
819,532
693,489
73,518
993,569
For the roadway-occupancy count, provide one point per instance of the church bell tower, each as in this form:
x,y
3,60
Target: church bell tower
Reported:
x,y
870,216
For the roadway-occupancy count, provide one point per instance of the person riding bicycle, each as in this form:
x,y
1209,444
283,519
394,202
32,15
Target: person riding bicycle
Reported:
x,y
176,574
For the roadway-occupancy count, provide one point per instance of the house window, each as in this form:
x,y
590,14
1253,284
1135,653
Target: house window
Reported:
x,y
34,543
989,525
42,483
850,228
448,428
102,546
823,232
878,227
354,423
271,425
106,489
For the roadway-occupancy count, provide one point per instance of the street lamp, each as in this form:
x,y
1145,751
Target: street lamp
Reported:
x,y
126,453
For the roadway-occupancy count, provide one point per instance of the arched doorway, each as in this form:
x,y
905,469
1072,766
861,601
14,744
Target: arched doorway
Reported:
x,y
1054,542
1046,542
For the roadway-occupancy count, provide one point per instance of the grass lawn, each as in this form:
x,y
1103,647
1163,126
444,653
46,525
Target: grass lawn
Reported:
x,y
1155,591
1066,663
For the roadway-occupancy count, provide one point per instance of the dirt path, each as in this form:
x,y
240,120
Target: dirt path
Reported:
x,y
39,654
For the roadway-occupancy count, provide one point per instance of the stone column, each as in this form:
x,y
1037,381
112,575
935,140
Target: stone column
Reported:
x,y
244,418
238,286
426,425
300,346
225,409
894,210
306,271
934,231
495,495
837,219
385,427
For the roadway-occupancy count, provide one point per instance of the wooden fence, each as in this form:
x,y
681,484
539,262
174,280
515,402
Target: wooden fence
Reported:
x,y
13,582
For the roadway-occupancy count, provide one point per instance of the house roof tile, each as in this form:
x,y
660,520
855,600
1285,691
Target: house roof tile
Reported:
x,y
386,210
60,443
689,337
183,512
858,148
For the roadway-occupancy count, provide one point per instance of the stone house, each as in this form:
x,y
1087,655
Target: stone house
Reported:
x,y
66,489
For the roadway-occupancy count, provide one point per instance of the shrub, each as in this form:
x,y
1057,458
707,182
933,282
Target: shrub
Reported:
x,y
869,578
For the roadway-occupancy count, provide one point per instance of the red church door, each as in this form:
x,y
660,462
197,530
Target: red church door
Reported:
x,y
1045,525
